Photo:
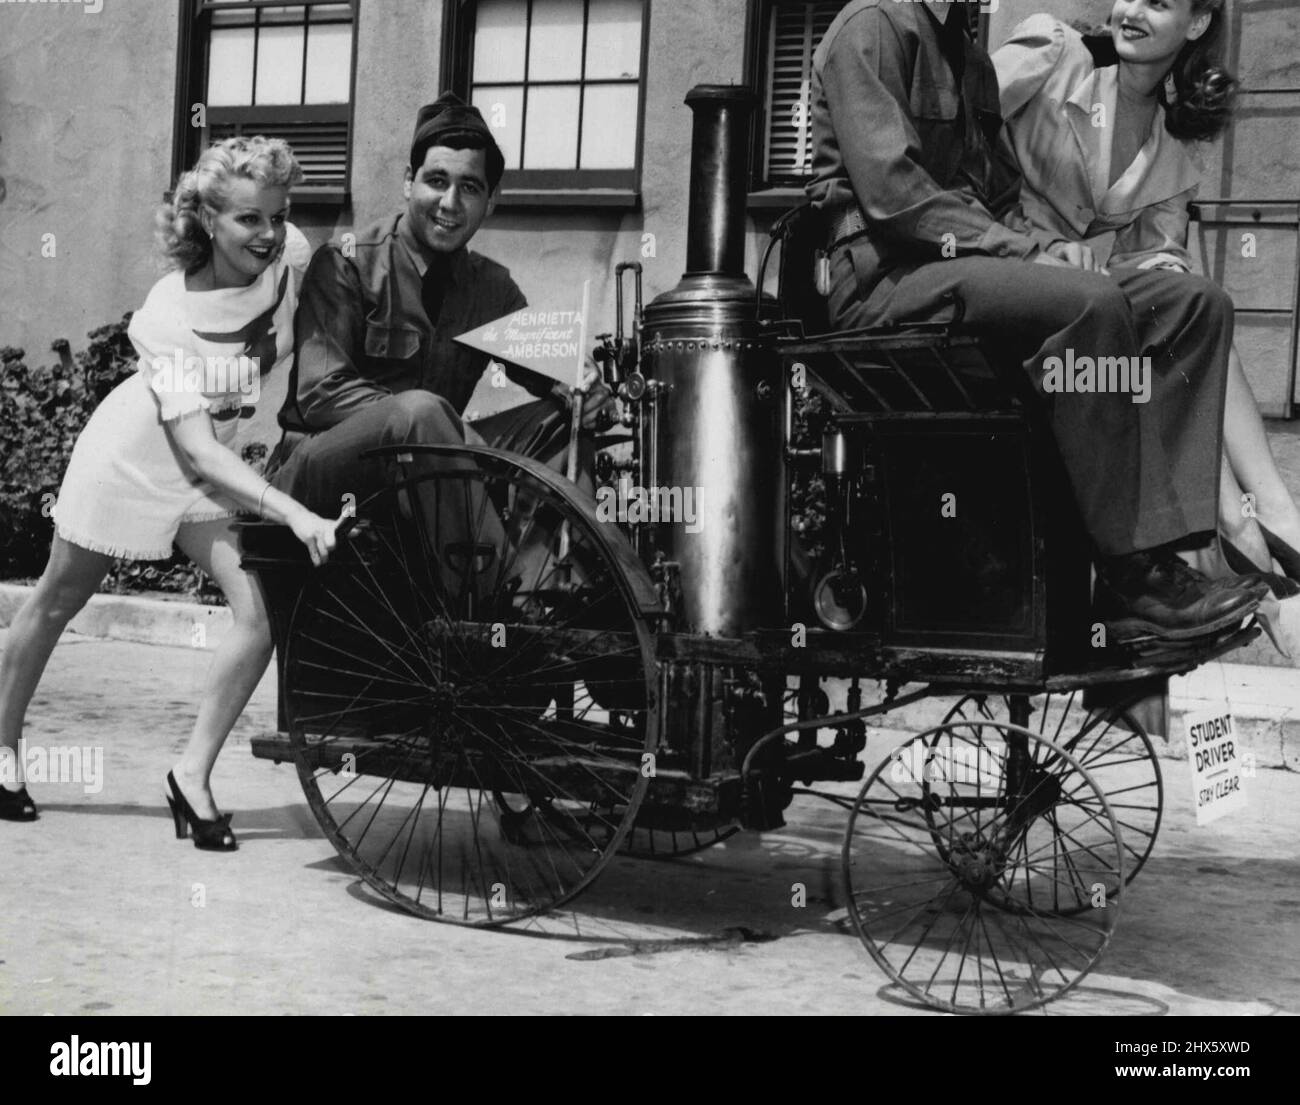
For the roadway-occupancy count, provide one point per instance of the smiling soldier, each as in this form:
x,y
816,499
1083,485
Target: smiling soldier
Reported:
x,y
377,363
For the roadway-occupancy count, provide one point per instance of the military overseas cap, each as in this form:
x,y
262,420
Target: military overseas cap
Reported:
x,y
449,115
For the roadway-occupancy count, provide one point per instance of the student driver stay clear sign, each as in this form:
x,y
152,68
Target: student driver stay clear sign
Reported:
x,y
1214,754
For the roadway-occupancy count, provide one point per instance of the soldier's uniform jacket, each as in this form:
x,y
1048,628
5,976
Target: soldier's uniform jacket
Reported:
x,y
362,331
906,124
1060,110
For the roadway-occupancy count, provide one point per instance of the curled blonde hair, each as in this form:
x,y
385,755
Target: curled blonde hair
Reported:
x,y
181,237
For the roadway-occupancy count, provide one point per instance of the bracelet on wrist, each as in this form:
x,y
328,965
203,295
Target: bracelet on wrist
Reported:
x,y
261,499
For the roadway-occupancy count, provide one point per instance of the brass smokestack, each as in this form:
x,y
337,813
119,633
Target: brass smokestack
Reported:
x,y
717,403
719,172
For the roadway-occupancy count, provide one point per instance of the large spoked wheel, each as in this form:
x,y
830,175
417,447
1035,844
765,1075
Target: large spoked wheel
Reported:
x,y
955,918
646,843
1115,750
469,690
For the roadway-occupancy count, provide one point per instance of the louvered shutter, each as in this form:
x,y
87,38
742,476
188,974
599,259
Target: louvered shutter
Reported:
x,y
320,147
796,29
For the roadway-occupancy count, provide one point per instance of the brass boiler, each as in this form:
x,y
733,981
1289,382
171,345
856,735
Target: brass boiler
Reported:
x,y
715,389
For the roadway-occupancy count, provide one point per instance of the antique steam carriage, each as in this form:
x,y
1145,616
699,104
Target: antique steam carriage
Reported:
x,y
482,720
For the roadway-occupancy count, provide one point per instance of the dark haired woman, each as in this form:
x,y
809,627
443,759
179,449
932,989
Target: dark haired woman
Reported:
x,y
1104,128
154,465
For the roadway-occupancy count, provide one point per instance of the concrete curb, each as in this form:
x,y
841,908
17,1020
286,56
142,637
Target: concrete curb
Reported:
x,y
133,618
1265,700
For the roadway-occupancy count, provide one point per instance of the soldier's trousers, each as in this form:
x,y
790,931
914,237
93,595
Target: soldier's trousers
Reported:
x,y
1143,474
328,471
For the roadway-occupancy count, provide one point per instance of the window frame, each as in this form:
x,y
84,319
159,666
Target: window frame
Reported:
x,y
525,188
758,30
193,37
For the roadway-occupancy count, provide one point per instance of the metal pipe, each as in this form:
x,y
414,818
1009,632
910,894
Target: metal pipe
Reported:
x,y
719,171
717,463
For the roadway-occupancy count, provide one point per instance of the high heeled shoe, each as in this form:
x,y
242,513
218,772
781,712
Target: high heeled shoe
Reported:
x,y
1242,565
17,805
209,836
1265,619
1283,553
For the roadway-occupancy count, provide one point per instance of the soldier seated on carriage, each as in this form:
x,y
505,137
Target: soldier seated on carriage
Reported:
x,y
912,173
376,362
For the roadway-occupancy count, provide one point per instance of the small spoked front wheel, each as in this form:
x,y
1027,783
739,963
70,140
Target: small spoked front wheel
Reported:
x,y
1111,744
954,849
469,690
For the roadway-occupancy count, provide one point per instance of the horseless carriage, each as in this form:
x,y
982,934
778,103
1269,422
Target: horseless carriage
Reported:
x,y
493,689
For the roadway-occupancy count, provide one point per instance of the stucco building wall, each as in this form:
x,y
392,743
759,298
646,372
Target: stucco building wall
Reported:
x,y
85,151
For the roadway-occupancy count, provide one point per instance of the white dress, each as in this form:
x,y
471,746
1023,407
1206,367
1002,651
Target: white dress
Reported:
x,y
127,489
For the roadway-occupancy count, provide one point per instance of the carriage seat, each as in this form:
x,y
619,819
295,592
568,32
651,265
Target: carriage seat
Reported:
x,y
954,507
927,366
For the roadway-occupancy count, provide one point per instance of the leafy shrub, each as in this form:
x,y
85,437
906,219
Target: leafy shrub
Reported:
x,y
42,410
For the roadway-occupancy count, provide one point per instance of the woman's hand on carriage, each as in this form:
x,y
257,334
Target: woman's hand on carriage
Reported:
x,y
217,464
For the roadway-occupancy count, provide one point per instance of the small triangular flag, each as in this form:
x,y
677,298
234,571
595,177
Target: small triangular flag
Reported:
x,y
547,341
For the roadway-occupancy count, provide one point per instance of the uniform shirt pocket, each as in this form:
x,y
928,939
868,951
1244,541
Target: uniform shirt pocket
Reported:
x,y
395,343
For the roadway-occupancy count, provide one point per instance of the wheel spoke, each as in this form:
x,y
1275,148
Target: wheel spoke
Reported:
x,y
969,879
389,661
1113,749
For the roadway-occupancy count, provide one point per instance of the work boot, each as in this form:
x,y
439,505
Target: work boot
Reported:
x,y
1155,593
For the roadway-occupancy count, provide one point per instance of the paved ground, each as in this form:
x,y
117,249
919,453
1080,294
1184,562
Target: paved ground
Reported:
x,y
106,912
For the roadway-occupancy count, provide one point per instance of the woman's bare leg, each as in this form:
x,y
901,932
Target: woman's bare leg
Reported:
x,y
1237,522
71,576
238,664
1246,446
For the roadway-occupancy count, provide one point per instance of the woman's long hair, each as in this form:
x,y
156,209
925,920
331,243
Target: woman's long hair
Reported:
x,y
181,237
1203,90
